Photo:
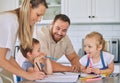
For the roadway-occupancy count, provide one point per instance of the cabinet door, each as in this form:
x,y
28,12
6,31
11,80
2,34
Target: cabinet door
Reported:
x,y
92,10
78,10
6,5
106,10
54,8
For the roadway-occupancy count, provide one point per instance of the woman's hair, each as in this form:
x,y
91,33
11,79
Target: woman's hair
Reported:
x,y
26,50
62,17
25,32
99,39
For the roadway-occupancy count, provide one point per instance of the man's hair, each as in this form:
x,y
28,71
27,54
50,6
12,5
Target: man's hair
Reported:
x,y
62,17
25,51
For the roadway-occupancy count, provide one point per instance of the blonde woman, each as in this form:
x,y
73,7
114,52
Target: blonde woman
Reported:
x,y
19,22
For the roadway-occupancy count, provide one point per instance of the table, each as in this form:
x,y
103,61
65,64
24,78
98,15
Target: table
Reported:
x,y
104,80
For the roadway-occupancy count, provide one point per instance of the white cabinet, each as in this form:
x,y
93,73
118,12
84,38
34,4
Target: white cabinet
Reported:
x,y
8,5
92,10
54,8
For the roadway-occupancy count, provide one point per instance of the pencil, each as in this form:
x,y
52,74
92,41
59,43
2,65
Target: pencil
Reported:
x,y
38,66
90,60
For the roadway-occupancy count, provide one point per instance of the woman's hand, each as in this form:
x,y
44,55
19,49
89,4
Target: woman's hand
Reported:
x,y
35,75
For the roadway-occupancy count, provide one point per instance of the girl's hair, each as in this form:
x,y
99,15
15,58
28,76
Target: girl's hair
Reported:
x,y
25,32
26,50
99,39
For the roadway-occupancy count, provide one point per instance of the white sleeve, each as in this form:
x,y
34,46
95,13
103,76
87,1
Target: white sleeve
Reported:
x,y
8,33
109,58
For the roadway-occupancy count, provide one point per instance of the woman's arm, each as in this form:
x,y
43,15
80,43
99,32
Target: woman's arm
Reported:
x,y
12,67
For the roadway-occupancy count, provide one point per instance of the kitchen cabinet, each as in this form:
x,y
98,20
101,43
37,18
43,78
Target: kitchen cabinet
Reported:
x,y
54,8
92,10
6,5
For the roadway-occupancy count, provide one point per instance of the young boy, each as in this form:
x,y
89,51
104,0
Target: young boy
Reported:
x,y
36,61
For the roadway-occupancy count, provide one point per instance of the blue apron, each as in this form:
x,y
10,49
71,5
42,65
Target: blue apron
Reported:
x,y
102,59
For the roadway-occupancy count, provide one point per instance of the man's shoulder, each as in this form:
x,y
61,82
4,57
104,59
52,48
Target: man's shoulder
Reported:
x,y
43,31
66,38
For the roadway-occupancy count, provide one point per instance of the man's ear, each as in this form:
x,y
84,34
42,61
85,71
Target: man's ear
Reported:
x,y
52,23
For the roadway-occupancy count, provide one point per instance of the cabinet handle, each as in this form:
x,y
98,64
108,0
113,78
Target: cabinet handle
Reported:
x,y
89,16
93,16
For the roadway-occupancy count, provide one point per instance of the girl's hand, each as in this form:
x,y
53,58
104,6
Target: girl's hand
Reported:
x,y
96,70
88,70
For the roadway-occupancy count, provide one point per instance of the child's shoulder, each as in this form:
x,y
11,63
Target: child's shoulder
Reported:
x,y
107,54
84,57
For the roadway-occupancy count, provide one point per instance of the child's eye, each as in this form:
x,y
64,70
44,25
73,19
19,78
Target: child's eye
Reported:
x,y
89,46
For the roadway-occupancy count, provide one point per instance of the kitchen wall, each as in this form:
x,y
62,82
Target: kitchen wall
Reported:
x,y
77,32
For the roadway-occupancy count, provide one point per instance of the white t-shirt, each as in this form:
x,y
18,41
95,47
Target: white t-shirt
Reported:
x,y
8,32
108,58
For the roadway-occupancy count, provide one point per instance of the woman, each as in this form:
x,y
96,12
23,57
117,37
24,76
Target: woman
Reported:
x,y
19,22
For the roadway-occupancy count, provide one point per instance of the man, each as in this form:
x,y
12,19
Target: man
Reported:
x,y
56,43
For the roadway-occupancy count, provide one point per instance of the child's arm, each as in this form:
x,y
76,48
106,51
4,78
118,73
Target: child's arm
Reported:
x,y
108,71
30,69
37,66
48,66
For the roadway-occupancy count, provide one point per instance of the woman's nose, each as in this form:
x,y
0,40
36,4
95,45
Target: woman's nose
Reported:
x,y
39,19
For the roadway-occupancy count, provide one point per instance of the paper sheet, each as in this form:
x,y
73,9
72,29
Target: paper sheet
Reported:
x,y
61,77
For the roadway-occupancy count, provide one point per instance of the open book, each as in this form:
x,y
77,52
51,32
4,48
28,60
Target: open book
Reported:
x,y
61,77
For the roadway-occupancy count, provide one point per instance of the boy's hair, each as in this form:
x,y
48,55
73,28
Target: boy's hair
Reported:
x,y
25,51
99,38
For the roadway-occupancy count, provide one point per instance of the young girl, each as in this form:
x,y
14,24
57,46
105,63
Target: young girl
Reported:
x,y
96,60
36,60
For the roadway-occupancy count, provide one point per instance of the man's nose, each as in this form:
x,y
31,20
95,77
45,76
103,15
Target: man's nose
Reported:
x,y
60,32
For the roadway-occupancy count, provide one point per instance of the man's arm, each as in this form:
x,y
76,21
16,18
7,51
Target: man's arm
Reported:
x,y
74,60
57,67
